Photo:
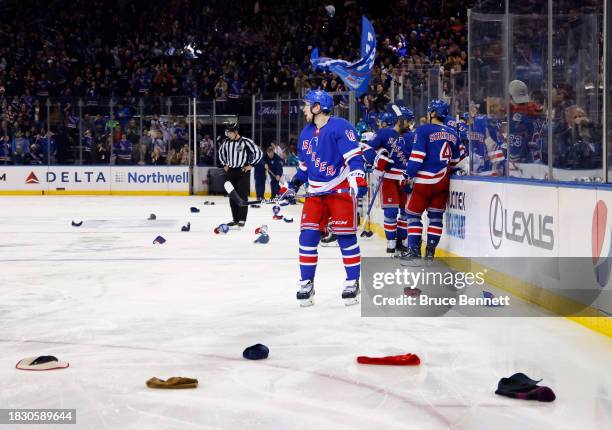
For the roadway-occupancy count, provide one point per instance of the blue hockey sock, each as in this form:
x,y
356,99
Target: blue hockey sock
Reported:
x,y
390,222
415,229
402,225
434,230
309,240
351,255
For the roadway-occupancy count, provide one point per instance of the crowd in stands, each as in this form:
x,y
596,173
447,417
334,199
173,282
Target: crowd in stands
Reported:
x,y
60,71
94,50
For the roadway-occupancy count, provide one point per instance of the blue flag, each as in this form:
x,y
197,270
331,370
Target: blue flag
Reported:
x,y
355,75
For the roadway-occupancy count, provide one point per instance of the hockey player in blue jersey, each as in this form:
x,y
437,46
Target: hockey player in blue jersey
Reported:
x,y
527,124
330,158
434,153
388,152
487,154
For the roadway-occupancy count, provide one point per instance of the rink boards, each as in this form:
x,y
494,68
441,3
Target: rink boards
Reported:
x,y
501,218
94,180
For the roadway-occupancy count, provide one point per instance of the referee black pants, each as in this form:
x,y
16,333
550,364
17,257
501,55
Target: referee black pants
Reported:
x,y
242,184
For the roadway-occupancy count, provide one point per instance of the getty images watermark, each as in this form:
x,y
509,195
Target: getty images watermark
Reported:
x,y
483,287
413,279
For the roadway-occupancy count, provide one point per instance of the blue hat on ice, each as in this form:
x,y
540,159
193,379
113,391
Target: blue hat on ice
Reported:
x,y
256,352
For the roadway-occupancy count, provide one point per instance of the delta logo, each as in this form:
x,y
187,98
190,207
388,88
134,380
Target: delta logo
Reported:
x,y
601,244
32,179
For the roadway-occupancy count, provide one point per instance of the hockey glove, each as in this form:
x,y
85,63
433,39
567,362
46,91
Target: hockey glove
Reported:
x,y
406,184
358,184
287,191
382,163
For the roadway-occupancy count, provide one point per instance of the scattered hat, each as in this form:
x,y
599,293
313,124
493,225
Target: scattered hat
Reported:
x,y
77,224
256,206
223,228
263,238
256,352
186,227
176,382
159,240
276,209
489,295
518,91
289,220
42,362
277,217
283,203
194,210
412,292
152,217
206,202
392,360
263,229
520,386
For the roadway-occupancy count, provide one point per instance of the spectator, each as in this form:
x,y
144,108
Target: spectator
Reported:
x,y
274,167
122,150
6,154
207,151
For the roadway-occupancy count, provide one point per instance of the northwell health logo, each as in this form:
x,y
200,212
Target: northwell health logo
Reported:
x,y
154,178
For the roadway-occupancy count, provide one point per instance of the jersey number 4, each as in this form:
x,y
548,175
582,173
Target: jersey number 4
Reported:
x,y
446,153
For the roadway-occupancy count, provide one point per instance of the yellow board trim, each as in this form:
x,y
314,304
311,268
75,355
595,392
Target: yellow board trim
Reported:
x,y
529,292
90,193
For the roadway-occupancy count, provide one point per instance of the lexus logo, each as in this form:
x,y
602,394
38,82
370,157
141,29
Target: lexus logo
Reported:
x,y
496,221
519,226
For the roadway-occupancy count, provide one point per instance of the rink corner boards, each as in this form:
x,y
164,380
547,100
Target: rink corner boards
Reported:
x,y
524,290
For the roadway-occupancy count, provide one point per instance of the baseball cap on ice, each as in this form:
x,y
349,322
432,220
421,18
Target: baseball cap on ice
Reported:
x,y
41,362
518,91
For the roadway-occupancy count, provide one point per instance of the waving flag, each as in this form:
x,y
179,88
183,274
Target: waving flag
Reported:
x,y
355,75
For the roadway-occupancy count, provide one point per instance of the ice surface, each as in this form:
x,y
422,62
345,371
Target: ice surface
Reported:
x,y
122,310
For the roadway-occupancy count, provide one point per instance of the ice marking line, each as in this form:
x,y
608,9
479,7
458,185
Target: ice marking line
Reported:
x,y
43,260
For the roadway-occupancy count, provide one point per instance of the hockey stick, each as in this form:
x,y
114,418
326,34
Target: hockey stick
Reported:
x,y
366,232
233,194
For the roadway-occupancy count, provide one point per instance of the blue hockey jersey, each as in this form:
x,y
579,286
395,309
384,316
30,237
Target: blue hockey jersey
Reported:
x,y
525,137
435,149
488,148
328,154
388,142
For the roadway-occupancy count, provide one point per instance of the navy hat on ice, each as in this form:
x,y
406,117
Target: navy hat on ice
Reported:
x,y
256,352
159,240
194,210
263,238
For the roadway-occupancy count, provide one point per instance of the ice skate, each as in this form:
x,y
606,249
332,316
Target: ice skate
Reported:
x,y
400,247
305,295
412,257
350,293
430,251
391,248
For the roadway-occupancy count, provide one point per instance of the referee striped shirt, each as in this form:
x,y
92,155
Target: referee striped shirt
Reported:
x,y
239,153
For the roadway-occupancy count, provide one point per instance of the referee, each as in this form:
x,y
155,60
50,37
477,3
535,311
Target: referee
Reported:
x,y
237,155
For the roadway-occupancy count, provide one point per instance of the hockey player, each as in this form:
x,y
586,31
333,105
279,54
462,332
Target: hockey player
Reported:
x,y
434,152
526,126
388,153
330,158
